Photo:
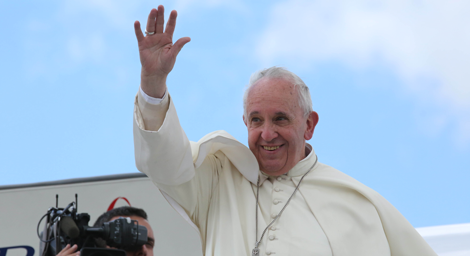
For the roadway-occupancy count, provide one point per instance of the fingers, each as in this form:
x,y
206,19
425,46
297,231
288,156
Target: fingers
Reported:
x,y
155,24
160,19
69,251
138,31
179,45
171,24
62,252
151,20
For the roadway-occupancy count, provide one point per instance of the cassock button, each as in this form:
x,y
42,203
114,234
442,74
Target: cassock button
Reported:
x,y
268,253
277,189
271,237
279,178
276,201
273,215
272,228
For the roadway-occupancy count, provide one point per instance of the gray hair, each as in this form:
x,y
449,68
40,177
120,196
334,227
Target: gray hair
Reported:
x,y
305,102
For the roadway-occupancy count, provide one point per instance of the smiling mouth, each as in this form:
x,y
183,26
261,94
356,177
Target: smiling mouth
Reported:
x,y
271,148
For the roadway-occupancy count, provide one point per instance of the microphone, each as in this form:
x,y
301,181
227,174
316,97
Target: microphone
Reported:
x,y
68,226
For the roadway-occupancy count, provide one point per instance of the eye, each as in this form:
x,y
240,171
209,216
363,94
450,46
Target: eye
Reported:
x,y
255,120
281,118
150,244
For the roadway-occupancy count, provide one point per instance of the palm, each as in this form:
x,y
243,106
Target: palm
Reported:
x,y
155,54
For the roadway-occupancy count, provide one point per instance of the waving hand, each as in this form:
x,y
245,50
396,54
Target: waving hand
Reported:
x,y
157,51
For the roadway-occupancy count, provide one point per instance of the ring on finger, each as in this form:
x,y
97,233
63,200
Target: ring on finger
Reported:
x,y
149,33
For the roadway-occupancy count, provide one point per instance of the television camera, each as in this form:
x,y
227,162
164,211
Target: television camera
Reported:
x,y
66,226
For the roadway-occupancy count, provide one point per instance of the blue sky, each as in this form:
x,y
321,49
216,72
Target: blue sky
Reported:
x,y
389,80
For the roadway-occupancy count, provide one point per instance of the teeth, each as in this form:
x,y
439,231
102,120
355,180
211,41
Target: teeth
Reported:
x,y
271,148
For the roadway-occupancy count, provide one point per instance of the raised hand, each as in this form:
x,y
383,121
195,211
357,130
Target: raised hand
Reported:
x,y
157,51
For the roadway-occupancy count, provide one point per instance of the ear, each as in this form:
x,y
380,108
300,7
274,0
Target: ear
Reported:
x,y
312,121
244,120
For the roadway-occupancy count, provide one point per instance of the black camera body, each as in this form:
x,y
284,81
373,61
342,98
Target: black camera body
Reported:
x,y
66,226
122,233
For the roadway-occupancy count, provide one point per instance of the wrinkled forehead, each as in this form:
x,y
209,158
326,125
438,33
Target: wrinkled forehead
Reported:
x,y
273,87
277,94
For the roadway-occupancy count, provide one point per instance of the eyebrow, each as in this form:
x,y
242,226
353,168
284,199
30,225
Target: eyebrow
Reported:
x,y
253,113
279,113
149,239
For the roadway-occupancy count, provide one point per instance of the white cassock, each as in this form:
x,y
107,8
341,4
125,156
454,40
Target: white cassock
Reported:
x,y
212,184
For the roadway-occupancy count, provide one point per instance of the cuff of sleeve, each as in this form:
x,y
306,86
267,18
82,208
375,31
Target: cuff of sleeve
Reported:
x,y
152,115
151,100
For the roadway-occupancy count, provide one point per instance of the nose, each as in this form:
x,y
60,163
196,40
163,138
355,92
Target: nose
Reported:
x,y
142,252
269,132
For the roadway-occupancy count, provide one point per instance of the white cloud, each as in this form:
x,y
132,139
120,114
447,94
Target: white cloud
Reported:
x,y
425,43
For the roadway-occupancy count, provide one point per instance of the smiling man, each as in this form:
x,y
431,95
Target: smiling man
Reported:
x,y
278,122
273,198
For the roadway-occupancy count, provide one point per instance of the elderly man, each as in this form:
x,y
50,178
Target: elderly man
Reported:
x,y
274,198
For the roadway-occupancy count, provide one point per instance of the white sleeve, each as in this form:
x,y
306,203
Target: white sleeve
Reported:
x,y
165,155
152,110
162,150
149,99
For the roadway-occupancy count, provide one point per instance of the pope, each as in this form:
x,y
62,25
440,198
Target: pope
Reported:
x,y
273,198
